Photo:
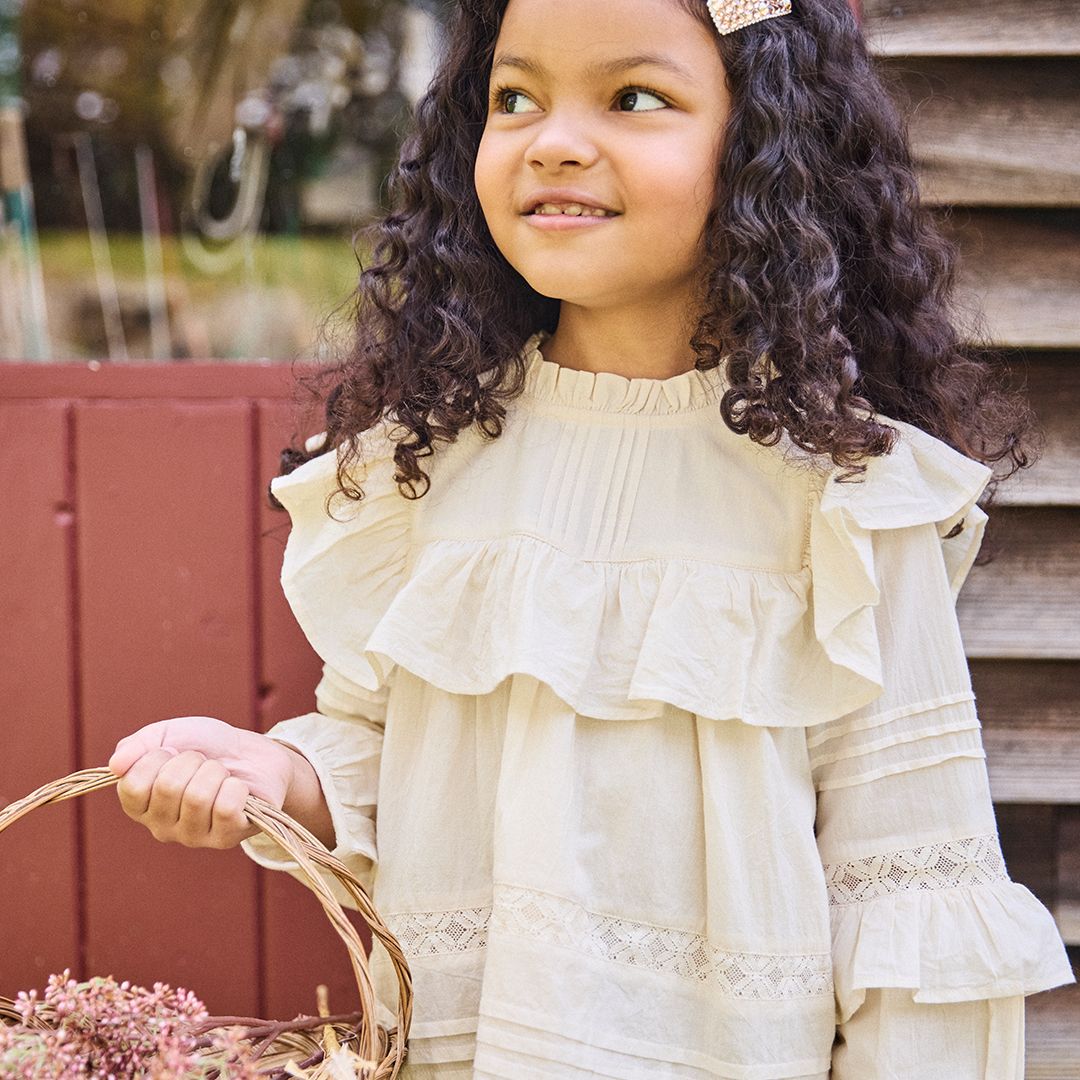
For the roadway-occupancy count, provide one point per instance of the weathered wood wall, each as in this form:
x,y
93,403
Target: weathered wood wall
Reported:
x,y
993,96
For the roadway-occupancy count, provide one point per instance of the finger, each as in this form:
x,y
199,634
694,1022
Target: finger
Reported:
x,y
163,810
137,782
132,747
230,823
197,803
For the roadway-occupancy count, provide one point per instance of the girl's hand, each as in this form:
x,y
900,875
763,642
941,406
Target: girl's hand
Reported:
x,y
187,779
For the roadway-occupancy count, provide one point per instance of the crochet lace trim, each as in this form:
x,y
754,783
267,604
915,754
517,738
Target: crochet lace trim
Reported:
x,y
558,921
970,860
436,933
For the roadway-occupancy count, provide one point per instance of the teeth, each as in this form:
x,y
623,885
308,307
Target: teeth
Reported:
x,y
572,210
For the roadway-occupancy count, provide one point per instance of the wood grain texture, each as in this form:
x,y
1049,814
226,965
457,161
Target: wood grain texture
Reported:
x,y
1051,382
1028,833
972,28
165,564
1025,604
1030,712
1019,276
1052,1032
992,131
1023,693
1068,873
300,947
1033,764
39,929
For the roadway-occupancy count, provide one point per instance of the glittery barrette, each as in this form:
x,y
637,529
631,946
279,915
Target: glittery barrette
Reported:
x,y
734,14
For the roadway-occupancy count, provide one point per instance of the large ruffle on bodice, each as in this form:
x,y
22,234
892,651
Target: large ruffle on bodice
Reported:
x,y
746,591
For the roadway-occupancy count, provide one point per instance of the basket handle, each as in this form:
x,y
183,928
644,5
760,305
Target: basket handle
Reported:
x,y
309,854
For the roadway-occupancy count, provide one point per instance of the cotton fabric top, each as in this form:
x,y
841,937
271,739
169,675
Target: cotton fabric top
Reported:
x,y
657,749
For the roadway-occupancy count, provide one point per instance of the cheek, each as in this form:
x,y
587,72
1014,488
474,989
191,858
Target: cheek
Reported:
x,y
492,172
678,195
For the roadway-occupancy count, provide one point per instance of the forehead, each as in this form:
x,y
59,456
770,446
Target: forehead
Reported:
x,y
595,38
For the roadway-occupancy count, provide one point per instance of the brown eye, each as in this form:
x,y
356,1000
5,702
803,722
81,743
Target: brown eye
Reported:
x,y
637,92
514,102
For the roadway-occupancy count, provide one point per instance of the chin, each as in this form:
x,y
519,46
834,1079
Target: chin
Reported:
x,y
583,289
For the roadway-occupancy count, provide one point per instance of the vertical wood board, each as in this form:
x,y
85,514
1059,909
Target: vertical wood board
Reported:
x,y
166,624
39,930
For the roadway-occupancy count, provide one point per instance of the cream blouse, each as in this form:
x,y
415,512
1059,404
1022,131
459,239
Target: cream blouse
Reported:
x,y
657,748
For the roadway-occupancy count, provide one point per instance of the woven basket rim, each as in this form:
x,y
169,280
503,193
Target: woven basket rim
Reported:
x,y
310,855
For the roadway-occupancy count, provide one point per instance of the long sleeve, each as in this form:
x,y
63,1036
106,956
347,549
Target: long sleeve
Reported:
x,y
343,741
934,946
342,567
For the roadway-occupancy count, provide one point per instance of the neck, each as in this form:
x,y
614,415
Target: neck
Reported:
x,y
649,343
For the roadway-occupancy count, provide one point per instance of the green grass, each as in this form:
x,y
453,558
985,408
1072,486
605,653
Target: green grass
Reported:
x,y
321,268
305,279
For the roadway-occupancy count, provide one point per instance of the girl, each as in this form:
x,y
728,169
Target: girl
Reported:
x,y
655,675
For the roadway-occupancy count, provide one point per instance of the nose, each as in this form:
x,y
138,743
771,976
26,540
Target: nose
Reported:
x,y
562,140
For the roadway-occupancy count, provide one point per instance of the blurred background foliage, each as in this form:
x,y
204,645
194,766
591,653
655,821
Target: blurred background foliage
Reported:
x,y
182,180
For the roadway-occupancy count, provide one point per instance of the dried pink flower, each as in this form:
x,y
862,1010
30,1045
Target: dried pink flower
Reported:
x,y
115,1031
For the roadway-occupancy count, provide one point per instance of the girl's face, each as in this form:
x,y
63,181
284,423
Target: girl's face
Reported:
x,y
640,139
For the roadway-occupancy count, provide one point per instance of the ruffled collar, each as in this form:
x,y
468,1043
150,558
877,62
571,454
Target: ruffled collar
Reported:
x,y
606,391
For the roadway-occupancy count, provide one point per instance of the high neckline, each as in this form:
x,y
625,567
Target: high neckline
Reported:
x,y
606,391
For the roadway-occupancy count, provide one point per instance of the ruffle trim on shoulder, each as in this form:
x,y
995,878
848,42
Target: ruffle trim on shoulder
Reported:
x,y
342,569
922,480
944,920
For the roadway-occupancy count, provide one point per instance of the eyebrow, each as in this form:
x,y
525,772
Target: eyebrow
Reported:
x,y
600,68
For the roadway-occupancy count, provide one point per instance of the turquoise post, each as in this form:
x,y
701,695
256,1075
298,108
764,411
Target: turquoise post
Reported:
x,y
23,326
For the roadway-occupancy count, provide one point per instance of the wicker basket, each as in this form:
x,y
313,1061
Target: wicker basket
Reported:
x,y
305,1040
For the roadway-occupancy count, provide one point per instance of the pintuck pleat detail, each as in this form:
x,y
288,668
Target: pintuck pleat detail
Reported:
x,y
590,489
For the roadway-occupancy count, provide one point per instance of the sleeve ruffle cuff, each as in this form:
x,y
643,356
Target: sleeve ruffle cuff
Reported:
x,y
896,924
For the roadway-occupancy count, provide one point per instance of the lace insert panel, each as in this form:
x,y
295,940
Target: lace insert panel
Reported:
x,y
560,921
970,860
435,933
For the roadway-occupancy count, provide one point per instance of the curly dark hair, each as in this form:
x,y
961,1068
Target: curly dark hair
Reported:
x,y
819,259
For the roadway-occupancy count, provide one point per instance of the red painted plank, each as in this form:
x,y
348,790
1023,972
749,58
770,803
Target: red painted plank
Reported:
x,y
38,865
165,550
300,947
290,667
187,380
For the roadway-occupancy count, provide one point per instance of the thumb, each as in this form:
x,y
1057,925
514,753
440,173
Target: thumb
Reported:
x,y
132,747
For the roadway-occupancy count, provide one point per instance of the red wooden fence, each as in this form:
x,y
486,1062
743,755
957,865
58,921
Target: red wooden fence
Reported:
x,y
140,581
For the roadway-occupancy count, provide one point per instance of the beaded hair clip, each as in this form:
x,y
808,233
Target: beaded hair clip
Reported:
x,y
734,14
